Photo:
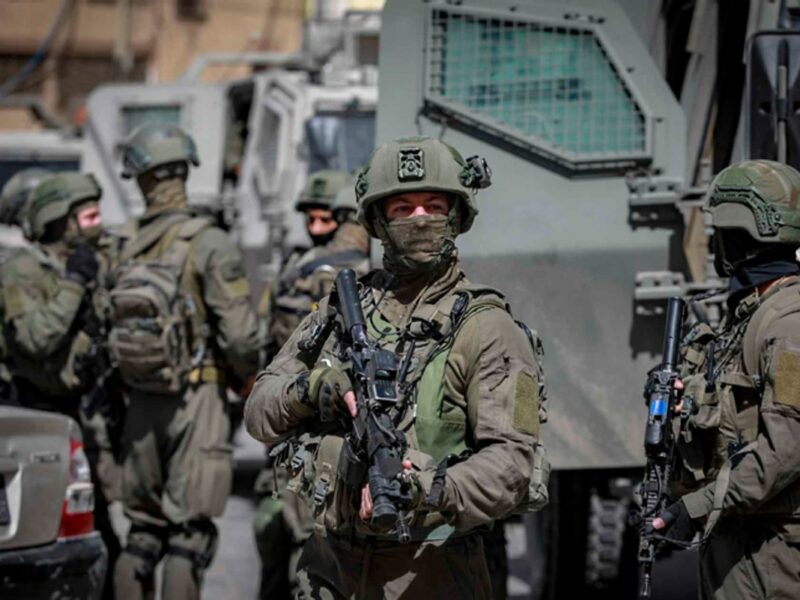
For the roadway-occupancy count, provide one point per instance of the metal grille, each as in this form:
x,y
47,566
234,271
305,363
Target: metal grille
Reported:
x,y
554,85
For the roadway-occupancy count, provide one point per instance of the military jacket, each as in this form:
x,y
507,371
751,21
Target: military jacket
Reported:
x,y
214,275
740,448
473,390
307,278
41,320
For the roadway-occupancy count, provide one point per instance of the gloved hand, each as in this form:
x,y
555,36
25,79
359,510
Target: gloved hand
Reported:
x,y
675,523
327,391
82,265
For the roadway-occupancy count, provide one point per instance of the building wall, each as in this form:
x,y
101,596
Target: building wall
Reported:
x,y
157,42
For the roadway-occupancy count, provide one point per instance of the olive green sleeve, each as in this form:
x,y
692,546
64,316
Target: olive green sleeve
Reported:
x,y
274,408
39,325
760,473
226,293
492,364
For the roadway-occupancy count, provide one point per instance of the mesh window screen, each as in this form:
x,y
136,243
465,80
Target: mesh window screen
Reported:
x,y
553,85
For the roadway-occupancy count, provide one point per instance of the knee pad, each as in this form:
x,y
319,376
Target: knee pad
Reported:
x,y
146,546
196,541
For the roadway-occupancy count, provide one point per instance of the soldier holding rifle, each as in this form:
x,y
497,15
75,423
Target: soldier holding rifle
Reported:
x,y
447,386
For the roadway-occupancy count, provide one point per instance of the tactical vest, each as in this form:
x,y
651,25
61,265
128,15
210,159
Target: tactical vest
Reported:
x,y
159,334
57,374
723,381
436,430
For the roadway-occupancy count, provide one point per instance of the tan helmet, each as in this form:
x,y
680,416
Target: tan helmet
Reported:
x,y
56,196
320,190
16,193
420,164
760,197
152,145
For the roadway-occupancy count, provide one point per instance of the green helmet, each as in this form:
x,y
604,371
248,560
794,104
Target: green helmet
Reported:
x,y
760,197
56,196
152,145
345,205
420,165
16,193
320,190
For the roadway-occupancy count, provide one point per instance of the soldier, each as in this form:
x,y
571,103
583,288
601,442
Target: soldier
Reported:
x,y
472,395
13,198
48,291
180,318
291,297
282,525
740,447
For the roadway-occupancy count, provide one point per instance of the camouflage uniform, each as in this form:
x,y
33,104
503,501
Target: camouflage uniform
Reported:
x,y
13,198
48,309
740,450
177,462
475,383
282,525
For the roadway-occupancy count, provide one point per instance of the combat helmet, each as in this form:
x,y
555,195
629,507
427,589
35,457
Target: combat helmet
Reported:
x,y
345,205
153,145
420,164
16,193
56,196
320,190
759,197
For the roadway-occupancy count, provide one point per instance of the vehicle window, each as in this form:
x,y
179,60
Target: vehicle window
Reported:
x,y
341,141
554,86
133,116
9,167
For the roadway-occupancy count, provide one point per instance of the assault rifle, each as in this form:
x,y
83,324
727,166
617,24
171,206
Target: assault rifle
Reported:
x,y
659,443
374,447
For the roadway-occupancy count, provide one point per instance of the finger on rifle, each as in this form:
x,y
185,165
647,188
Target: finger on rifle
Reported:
x,y
365,511
350,401
407,465
658,523
678,384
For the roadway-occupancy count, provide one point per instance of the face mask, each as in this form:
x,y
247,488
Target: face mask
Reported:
x,y
420,244
164,194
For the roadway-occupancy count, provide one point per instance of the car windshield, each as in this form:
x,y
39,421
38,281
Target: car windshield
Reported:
x,y
340,141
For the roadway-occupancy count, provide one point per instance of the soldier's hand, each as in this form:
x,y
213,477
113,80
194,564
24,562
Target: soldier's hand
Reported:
x,y
331,393
365,512
82,265
675,523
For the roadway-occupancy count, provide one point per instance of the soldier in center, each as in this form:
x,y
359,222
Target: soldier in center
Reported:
x,y
472,398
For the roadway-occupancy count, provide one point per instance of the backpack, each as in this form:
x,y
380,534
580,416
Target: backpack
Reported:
x,y
157,333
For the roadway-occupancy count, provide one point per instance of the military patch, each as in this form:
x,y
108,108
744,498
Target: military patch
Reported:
x,y
787,379
526,404
362,185
239,287
319,188
232,269
410,164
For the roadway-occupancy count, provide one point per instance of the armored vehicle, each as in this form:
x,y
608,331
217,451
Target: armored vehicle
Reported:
x,y
257,138
602,122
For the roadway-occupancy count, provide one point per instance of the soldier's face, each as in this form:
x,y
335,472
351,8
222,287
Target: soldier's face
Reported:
x,y
320,223
88,216
416,204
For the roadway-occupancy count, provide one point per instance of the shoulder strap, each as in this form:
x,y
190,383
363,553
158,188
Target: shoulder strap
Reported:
x,y
783,302
149,236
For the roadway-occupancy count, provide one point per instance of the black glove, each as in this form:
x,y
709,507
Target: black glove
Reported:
x,y
326,389
82,264
679,526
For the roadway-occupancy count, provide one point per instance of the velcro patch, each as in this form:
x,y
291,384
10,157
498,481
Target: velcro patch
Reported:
x,y
16,302
526,404
787,379
239,287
